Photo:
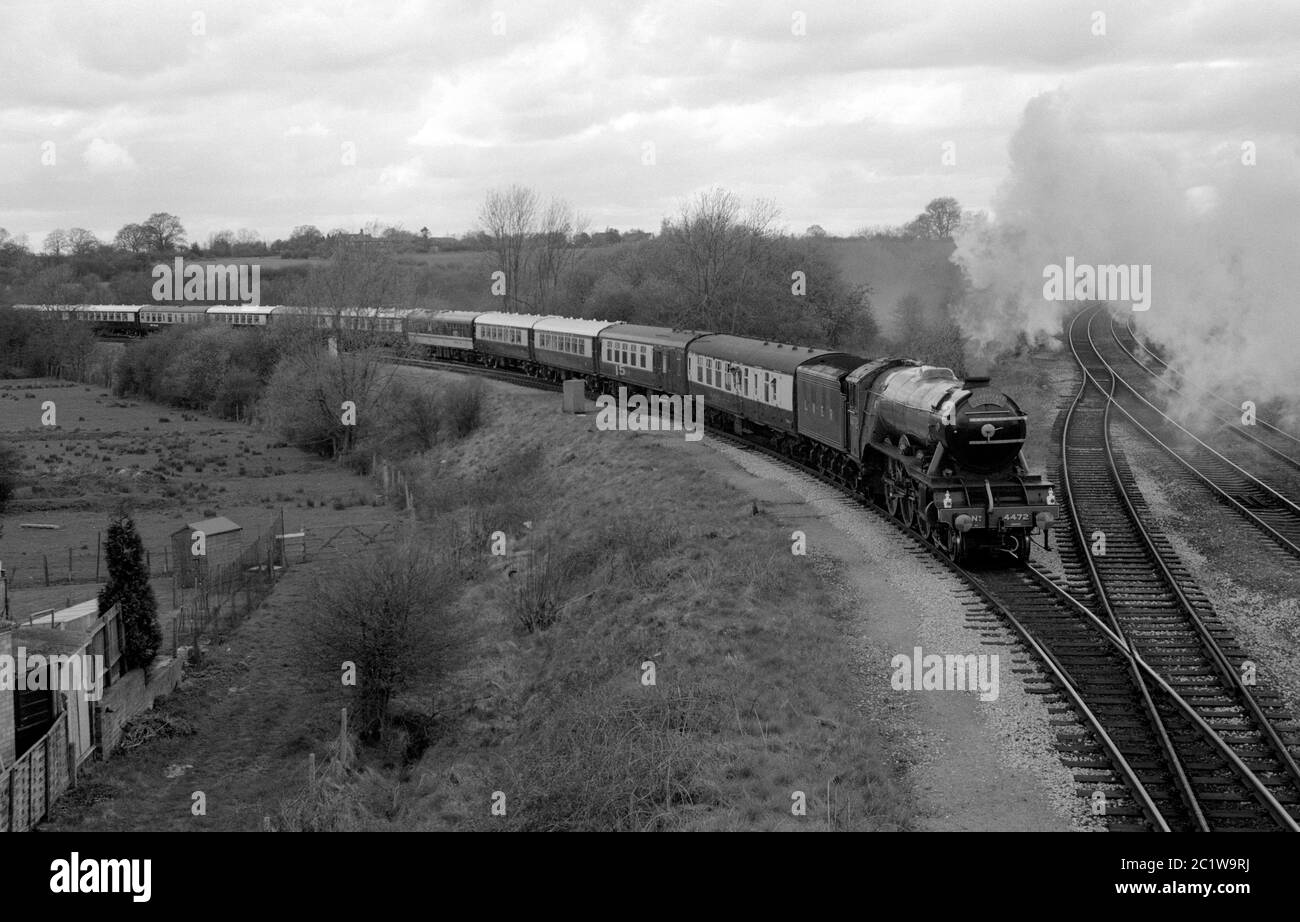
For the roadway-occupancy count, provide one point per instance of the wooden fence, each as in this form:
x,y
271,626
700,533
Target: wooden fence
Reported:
x,y
30,786
78,565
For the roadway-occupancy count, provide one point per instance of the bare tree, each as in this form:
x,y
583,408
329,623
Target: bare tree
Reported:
x,y
133,238
509,216
56,242
324,402
718,251
164,231
939,221
81,241
356,283
553,251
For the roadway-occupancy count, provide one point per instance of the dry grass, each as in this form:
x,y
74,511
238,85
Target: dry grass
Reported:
x,y
626,559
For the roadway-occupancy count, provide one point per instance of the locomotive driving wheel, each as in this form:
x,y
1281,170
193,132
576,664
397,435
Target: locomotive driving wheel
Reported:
x,y
925,523
893,496
908,502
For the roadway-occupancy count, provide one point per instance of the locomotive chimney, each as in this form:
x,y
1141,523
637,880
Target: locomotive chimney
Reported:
x,y
971,382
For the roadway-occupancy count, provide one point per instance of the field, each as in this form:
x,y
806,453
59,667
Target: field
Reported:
x,y
167,466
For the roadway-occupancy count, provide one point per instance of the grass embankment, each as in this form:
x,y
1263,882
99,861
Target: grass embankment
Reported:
x,y
636,559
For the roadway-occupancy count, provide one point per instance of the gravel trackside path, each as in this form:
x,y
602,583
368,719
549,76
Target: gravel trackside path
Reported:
x,y
974,765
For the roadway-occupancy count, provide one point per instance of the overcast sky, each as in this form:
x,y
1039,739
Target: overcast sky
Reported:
x,y
243,114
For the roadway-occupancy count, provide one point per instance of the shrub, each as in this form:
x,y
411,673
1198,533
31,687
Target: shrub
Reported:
x,y
389,613
462,406
11,463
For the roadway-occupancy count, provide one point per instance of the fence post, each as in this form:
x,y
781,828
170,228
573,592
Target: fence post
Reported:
x,y
45,558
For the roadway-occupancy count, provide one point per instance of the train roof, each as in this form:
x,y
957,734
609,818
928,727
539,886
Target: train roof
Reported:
x,y
425,313
576,325
116,308
345,311
522,321
178,308
241,309
653,336
781,357
833,367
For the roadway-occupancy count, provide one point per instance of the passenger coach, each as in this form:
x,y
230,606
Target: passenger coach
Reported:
x,y
449,334
650,358
241,315
748,379
157,316
111,318
568,344
505,339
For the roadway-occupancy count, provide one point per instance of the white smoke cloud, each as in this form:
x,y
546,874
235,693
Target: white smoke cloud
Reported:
x,y
1219,235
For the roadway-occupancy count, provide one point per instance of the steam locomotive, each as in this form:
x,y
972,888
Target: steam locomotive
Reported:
x,y
942,454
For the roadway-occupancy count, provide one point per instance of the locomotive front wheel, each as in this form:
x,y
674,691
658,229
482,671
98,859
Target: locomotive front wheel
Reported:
x,y
956,545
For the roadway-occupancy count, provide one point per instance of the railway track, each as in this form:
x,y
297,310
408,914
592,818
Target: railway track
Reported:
x,y
1243,774
1270,438
1128,743
1260,503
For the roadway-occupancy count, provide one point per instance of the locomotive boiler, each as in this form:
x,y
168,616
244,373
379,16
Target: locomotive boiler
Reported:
x,y
950,456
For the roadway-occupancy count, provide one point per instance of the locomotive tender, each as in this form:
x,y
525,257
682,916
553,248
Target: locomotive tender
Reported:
x,y
942,454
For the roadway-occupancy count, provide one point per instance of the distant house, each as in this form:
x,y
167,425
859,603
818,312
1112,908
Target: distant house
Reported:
x,y
363,242
222,542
